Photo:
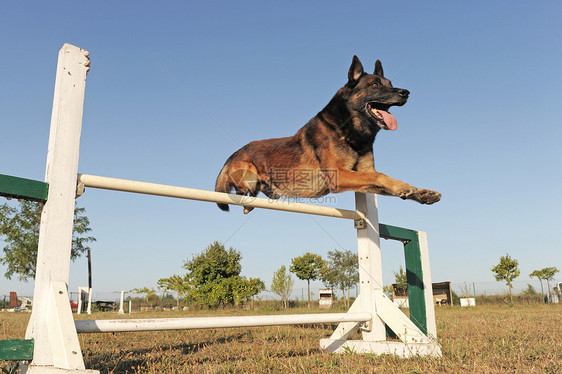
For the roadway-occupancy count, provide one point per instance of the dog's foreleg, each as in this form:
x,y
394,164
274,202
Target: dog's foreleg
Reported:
x,y
379,183
405,191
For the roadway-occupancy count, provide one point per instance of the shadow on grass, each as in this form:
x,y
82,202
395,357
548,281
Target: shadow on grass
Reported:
x,y
214,352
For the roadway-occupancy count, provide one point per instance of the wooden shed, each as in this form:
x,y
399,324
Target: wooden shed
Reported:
x,y
442,294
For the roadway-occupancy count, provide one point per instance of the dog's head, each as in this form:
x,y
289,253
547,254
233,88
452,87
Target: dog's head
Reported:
x,y
371,95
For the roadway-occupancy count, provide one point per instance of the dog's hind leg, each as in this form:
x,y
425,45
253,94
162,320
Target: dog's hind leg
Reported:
x,y
245,177
248,209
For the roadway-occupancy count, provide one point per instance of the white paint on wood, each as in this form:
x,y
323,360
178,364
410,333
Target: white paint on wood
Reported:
x,y
159,324
89,309
428,286
116,184
400,349
55,235
80,299
371,298
370,265
346,330
88,292
61,333
53,370
121,311
398,322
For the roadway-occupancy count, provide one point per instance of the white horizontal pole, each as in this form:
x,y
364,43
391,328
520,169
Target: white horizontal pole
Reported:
x,y
159,324
211,196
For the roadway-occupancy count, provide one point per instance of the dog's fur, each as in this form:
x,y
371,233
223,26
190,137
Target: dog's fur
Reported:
x,y
333,152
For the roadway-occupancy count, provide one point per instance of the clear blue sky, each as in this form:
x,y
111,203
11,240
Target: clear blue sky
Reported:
x,y
482,126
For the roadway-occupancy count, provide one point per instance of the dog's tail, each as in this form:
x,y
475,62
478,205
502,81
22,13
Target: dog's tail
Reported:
x,y
224,184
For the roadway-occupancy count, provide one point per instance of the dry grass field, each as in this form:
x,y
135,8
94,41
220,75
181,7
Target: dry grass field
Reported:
x,y
485,339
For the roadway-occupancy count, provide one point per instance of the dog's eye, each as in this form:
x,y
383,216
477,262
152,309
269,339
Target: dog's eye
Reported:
x,y
375,84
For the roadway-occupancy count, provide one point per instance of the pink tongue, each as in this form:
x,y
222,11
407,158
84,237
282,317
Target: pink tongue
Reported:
x,y
389,120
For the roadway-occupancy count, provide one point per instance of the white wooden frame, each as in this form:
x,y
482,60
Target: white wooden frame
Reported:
x,y
87,291
52,326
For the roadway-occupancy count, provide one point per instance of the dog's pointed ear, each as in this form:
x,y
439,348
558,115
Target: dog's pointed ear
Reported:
x,y
378,69
355,71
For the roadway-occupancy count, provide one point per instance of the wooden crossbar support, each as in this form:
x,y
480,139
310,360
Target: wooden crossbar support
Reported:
x,y
161,324
420,299
397,233
16,349
125,185
21,188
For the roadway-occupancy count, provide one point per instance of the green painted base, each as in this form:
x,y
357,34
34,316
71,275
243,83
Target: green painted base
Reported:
x,y
16,349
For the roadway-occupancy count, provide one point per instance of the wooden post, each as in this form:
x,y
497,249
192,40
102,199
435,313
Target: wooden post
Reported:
x,y
121,311
80,302
89,268
51,324
370,265
428,294
89,309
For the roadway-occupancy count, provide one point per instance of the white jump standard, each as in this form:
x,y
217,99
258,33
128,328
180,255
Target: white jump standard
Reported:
x,y
54,331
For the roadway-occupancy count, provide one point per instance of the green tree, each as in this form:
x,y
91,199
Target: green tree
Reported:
x,y
175,283
341,270
530,290
548,275
401,280
388,291
244,289
282,284
307,267
145,290
507,270
19,227
214,277
538,274
329,277
150,295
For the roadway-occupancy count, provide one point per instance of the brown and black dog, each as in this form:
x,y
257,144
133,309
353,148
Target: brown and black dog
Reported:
x,y
333,152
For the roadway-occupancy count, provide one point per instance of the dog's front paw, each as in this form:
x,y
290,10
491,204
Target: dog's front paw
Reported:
x,y
427,196
407,193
